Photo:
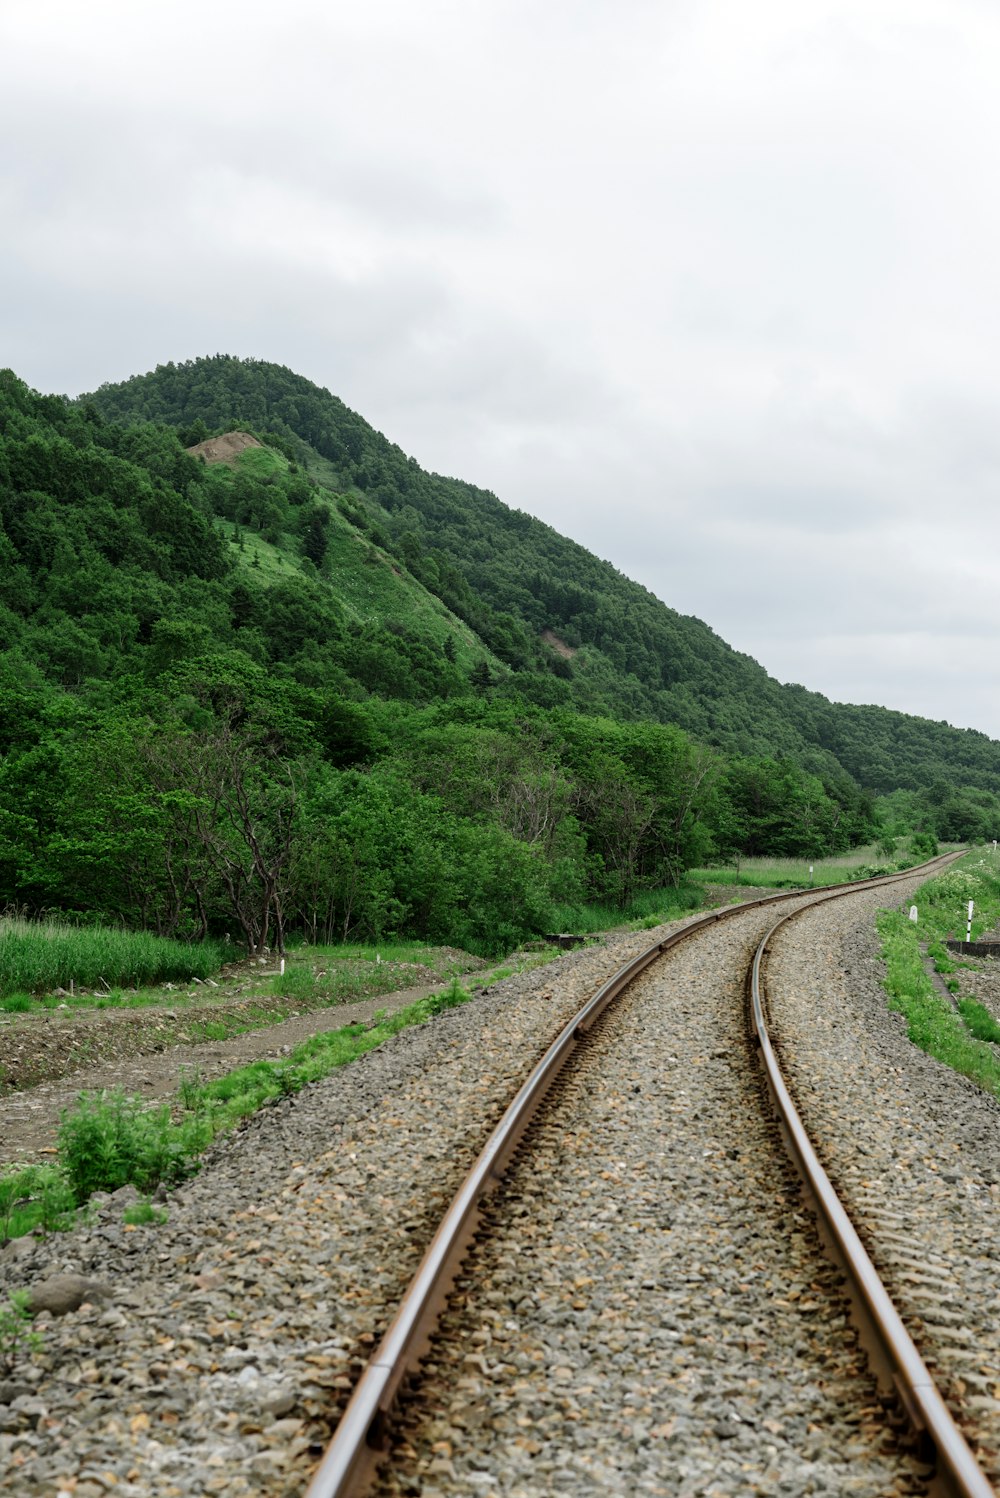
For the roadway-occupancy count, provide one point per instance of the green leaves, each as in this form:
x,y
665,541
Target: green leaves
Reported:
x,y
16,1335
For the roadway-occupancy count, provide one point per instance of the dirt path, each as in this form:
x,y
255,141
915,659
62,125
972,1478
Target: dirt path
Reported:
x,y
147,1052
29,1118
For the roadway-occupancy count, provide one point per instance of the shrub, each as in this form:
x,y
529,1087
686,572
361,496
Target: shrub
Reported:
x,y
111,1140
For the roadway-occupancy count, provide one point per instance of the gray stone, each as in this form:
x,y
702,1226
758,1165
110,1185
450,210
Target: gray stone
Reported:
x,y
11,1389
19,1248
63,1293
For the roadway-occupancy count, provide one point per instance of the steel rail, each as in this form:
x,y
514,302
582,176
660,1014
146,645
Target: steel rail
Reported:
x,y
354,1449
888,1342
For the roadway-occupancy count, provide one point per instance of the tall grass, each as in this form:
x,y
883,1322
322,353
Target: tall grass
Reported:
x,y
36,957
648,908
793,873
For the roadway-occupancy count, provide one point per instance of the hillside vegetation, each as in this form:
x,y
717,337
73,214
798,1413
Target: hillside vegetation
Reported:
x,y
306,689
513,577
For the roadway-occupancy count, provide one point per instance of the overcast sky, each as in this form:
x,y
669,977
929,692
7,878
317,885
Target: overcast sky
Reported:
x,y
712,287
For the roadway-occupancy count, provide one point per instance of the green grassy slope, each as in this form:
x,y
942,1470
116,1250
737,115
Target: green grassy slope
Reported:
x,y
511,577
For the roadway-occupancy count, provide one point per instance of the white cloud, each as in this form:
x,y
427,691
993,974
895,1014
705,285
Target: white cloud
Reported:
x,y
709,287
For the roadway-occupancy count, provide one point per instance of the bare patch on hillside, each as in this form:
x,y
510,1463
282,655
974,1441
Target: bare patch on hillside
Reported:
x,y
224,449
559,646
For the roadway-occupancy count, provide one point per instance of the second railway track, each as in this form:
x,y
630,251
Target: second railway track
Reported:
x,y
644,1308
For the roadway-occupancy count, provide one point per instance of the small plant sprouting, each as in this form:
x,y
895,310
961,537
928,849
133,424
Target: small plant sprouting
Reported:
x,y
142,1212
288,1082
16,1333
190,1088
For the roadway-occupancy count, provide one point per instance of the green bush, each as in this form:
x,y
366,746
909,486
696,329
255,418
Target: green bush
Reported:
x,y
16,1335
35,1196
111,1140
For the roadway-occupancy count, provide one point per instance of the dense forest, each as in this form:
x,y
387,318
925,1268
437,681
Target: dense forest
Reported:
x,y
316,689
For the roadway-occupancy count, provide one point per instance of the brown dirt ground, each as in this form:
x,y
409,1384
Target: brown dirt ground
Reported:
x,y
47,1060
224,449
145,1052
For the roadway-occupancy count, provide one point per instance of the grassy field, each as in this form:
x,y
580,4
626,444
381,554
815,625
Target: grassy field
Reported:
x,y
799,873
649,908
39,957
64,960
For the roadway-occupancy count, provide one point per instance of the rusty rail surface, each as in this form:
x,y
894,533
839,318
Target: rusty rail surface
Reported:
x,y
895,1360
354,1450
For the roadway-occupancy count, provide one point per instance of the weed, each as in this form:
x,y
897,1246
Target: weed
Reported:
x,y
979,1021
190,1086
15,1191
110,1140
959,1040
210,1030
32,1197
297,983
941,957
142,1212
288,1082
448,998
16,1334
54,1200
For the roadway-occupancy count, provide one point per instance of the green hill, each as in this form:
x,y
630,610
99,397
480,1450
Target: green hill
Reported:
x,y
513,578
312,688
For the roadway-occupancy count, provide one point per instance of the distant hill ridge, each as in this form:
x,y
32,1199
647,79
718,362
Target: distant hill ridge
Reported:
x,y
520,585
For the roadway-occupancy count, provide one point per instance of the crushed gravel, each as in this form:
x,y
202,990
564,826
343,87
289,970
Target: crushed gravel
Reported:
x,y
911,1146
216,1351
236,1329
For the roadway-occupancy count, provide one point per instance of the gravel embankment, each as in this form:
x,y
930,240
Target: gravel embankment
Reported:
x,y
913,1146
230,1337
681,1338
648,1312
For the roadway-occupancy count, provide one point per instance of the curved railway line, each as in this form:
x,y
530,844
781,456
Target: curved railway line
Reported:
x,y
641,1306
641,1303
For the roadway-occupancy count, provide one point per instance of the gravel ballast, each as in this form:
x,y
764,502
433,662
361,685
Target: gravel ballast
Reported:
x,y
216,1351
910,1145
256,1304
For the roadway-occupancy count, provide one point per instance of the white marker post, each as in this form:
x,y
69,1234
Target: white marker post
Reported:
x,y
913,914
968,928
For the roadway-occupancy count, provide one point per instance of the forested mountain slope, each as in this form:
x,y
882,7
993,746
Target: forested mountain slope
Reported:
x,y
513,578
292,690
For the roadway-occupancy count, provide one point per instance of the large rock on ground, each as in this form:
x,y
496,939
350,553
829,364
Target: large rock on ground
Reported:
x,y
62,1293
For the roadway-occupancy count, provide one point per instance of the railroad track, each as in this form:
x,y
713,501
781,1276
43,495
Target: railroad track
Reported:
x,y
639,1305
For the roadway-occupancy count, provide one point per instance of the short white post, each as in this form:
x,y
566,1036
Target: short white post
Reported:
x,y
968,928
913,914
282,973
